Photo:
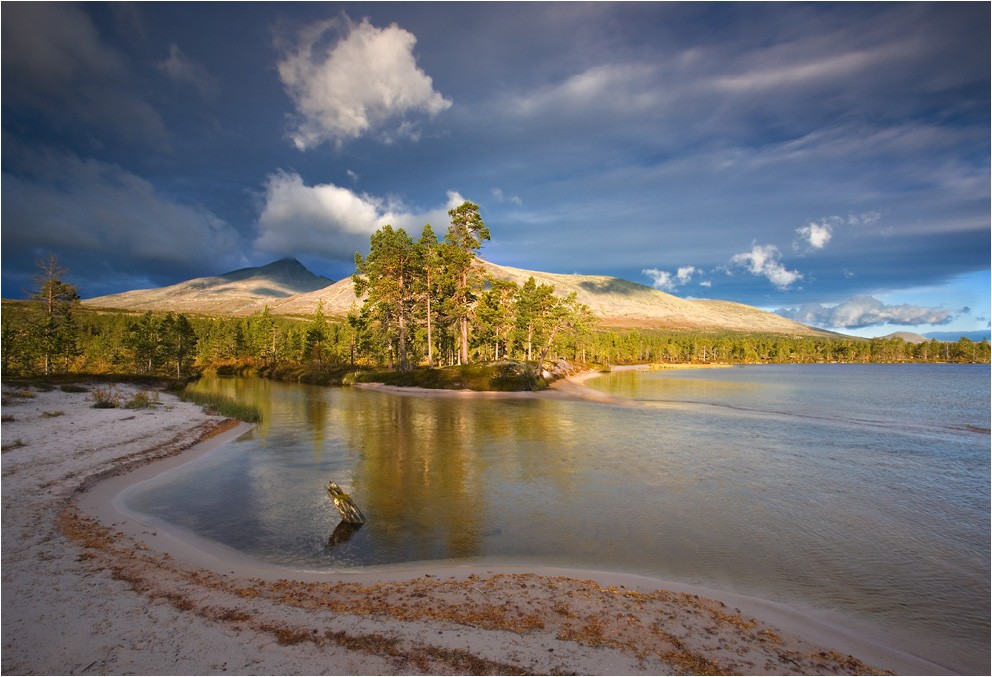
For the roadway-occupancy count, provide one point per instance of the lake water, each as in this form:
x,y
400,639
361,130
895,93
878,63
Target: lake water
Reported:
x,y
863,489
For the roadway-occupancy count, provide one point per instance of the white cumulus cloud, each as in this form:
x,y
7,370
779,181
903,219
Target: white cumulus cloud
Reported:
x,y
367,81
685,274
865,311
764,260
816,235
333,222
666,281
660,279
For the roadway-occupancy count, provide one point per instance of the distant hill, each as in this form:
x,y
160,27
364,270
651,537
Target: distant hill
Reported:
x,y
289,289
907,336
617,302
955,336
227,294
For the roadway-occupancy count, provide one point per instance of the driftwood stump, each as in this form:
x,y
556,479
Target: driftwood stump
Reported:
x,y
342,501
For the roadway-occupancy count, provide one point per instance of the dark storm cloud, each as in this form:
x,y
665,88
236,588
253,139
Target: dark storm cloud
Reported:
x,y
55,64
65,203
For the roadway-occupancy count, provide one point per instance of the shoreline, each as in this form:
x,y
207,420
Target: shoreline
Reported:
x,y
145,563
570,387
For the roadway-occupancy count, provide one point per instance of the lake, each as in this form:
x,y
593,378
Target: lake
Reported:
x,y
859,489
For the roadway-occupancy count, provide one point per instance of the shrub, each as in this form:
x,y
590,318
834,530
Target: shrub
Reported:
x,y
141,401
105,398
52,414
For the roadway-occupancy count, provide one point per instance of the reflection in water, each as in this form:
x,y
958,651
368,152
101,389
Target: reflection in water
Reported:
x,y
428,473
878,505
342,533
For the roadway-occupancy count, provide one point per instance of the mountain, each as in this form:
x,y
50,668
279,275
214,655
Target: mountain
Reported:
x,y
289,289
227,294
907,336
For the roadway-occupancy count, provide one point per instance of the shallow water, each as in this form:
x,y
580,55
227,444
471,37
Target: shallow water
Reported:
x,y
857,488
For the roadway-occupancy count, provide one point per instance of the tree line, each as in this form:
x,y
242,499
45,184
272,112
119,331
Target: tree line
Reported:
x,y
422,308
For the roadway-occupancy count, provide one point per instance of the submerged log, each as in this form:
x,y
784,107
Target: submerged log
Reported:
x,y
342,501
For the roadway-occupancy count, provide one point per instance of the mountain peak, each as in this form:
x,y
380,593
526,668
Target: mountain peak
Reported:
x,y
223,294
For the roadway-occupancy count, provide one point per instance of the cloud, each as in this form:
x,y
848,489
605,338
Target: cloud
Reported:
x,y
66,203
333,222
620,87
498,194
660,279
816,235
865,311
180,68
764,260
55,62
775,69
368,80
685,273
665,281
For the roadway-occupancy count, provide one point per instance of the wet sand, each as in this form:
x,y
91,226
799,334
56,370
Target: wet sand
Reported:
x,y
89,589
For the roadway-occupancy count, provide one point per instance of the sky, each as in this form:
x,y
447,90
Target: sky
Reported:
x,y
829,162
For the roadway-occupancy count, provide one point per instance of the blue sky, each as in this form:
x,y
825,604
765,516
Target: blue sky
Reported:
x,y
826,161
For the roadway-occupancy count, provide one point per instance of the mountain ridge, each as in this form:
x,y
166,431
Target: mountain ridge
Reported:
x,y
616,302
223,294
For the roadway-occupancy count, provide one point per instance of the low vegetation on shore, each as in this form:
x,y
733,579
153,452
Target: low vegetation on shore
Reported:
x,y
222,405
505,376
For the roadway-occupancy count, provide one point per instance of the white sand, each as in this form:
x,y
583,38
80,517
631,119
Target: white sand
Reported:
x,y
79,597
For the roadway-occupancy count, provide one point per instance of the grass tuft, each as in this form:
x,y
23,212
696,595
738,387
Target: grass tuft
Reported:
x,y
13,445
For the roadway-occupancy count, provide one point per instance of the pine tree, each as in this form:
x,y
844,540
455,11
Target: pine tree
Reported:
x,y
387,276
464,237
56,334
432,268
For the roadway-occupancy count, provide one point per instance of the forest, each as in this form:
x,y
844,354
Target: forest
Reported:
x,y
424,306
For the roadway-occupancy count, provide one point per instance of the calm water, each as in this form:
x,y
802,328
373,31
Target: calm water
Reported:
x,y
859,488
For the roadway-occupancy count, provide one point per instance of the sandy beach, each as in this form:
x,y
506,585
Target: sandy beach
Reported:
x,y
87,590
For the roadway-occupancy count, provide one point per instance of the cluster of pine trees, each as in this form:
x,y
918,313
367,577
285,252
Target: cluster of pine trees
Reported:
x,y
425,301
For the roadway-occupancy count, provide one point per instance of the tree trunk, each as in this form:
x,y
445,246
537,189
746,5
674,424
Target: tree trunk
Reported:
x,y
430,338
464,320
346,507
402,327
402,344
544,351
